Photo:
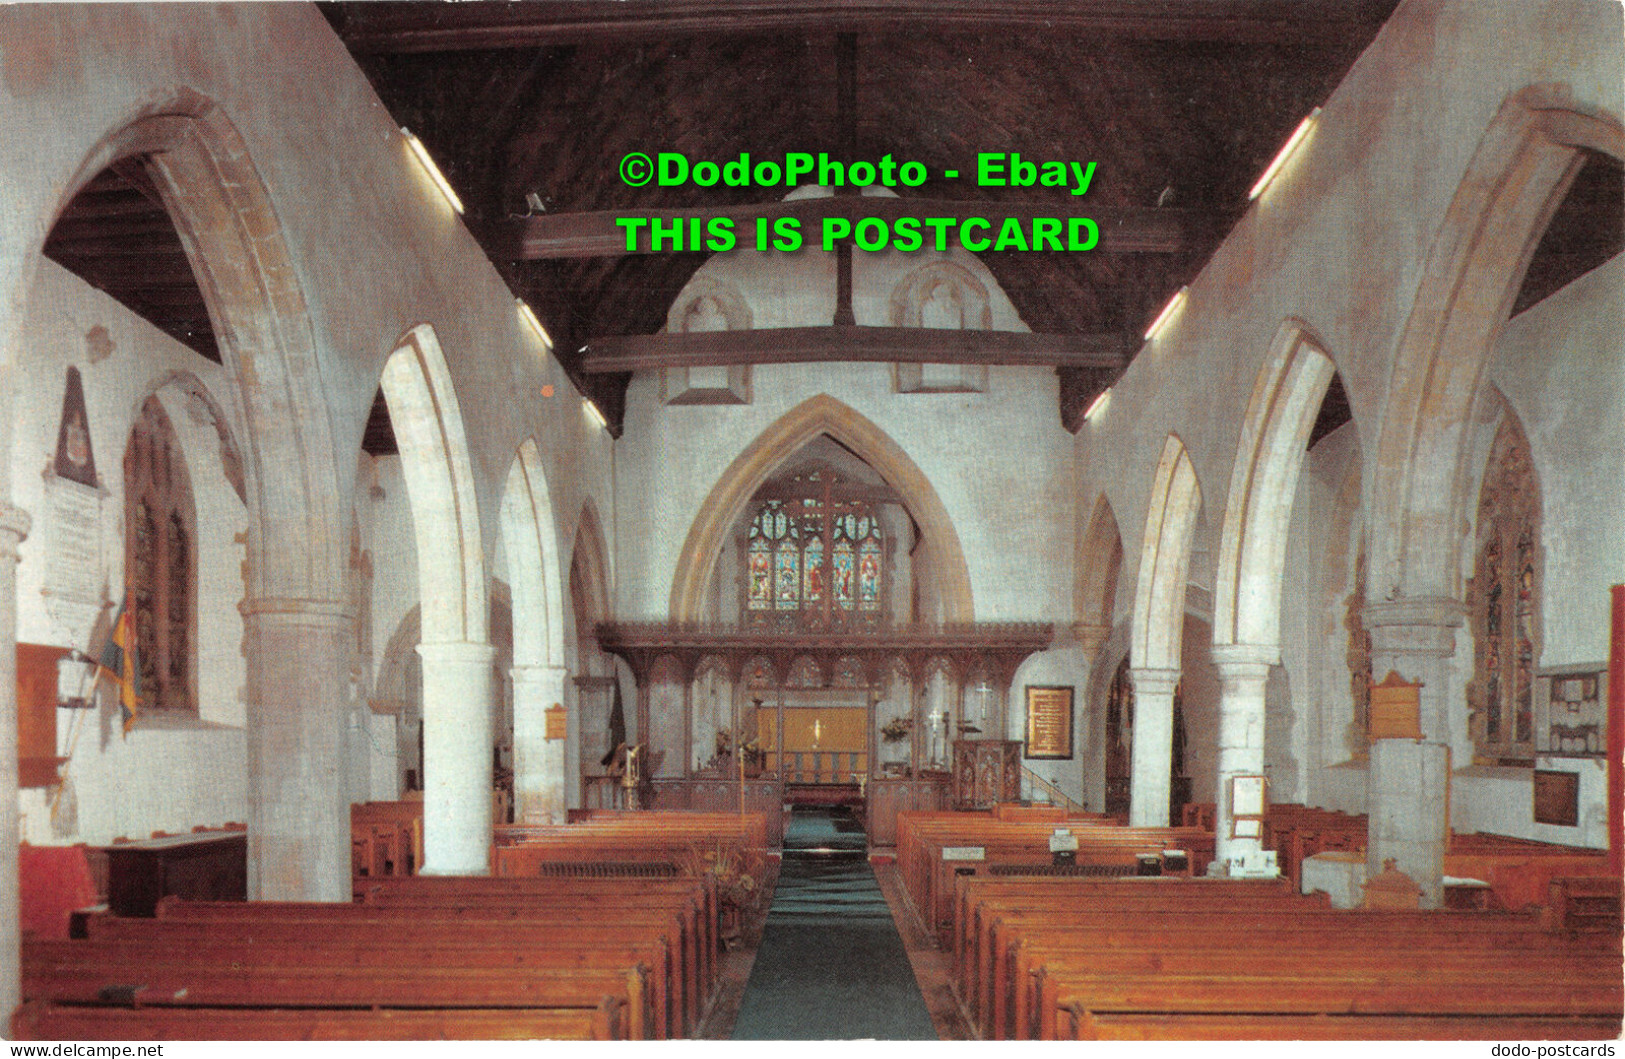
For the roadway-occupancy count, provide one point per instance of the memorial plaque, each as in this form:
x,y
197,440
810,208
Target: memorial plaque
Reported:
x,y
1049,722
73,557
1557,798
1396,709
555,722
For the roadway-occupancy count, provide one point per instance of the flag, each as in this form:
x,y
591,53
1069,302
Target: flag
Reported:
x,y
118,661
617,725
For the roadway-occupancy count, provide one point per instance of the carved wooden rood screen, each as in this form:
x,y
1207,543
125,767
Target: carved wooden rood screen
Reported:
x,y
810,668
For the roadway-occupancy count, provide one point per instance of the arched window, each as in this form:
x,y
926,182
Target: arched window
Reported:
x,y
160,560
1504,600
815,557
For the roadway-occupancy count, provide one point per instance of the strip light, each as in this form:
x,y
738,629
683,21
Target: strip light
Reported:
x,y
597,416
433,170
1167,310
1097,404
1281,156
529,316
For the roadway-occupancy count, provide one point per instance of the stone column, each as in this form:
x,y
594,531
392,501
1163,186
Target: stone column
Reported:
x,y
298,680
14,524
1244,671
1408,782
1150,787
457,733
538,762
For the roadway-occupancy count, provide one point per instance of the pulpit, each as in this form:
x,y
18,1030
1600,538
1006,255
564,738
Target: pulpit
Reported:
x,y
986,772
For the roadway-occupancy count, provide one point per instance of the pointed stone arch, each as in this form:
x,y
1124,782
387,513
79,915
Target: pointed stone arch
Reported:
x,y
589,569
297,621
456,649
1246,634
214,194
530,540
1159,595
1420,493
1099,563
1263,482
822,414
530,537
1157,629
439,478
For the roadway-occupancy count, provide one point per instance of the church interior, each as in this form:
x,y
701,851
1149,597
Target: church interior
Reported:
x,y
1182,602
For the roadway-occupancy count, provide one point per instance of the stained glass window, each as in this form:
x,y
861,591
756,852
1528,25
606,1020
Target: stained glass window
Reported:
x,y
815,557
160,560
1504,600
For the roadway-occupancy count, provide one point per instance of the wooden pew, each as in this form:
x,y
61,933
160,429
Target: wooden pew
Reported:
x,y
386,838
90,972
545,925
686,909
1083,1025
928,879
1420,988
40,1021
1067,957
410,939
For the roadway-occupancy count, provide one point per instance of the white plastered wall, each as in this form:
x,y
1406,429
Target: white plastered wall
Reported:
x,y
170,772
1558,365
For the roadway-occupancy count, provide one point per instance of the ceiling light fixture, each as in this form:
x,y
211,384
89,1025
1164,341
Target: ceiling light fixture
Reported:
x,y
1286,152
433,170
597,416
1097,404
1167,310
529,316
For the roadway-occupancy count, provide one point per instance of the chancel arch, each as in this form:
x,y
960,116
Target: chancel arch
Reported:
x,y
739,484
1158,626
456,651
1281,413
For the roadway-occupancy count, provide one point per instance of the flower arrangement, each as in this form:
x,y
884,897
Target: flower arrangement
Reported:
x,y
896,730
749,749
739,879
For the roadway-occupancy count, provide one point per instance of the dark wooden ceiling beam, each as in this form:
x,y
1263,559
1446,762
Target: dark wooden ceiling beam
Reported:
x,y
412,27
798,345
595,233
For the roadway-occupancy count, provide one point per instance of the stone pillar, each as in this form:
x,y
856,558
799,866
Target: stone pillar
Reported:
x,y
1150,787
1408,782
538,762
14,524
298,817
1244,671
457,737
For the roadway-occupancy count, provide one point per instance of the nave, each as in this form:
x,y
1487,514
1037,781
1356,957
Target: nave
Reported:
x,y
649,925
365,504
